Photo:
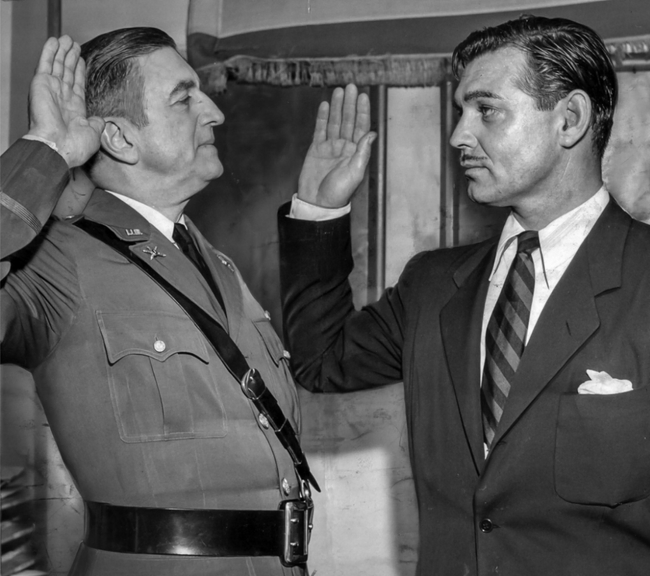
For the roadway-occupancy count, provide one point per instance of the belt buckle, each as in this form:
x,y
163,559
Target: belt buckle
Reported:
x,y
297,527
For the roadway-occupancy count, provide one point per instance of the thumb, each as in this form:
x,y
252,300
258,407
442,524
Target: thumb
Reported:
x,y
361,157
97,124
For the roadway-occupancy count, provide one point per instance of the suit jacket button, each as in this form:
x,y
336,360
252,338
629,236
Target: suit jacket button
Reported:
x,y
159,346
486,525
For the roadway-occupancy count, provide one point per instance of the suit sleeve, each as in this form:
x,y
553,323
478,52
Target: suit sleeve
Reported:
x,y
333,347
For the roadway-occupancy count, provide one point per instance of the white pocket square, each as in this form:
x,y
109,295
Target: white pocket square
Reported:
x,y
603,383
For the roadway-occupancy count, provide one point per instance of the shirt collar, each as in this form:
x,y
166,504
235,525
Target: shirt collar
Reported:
x,y
566,232
151,215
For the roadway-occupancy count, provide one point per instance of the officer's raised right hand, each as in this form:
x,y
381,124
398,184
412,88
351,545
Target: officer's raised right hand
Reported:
x,y
57,103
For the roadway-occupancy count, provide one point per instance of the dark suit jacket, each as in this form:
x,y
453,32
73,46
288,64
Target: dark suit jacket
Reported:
x,y
566,488
142,409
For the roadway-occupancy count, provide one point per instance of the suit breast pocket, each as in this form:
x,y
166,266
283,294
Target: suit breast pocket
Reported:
x,y
602,450
161,382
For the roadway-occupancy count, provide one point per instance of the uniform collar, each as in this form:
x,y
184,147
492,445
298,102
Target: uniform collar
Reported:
x,y
151,215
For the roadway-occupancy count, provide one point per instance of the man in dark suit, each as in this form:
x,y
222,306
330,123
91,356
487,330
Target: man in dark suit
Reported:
x,y
180,471
525,358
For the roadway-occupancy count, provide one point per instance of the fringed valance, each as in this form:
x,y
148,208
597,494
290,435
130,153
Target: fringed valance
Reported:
x,y
631,53
309,43
391,70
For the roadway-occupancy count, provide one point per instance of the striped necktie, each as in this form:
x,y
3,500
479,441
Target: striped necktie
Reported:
x,y
505,337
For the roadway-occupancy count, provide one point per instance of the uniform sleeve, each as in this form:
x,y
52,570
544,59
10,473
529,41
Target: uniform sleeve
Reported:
x,y
33,177
39,292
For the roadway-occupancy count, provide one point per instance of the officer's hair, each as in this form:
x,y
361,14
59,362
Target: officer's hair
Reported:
x,y
114,82
562,55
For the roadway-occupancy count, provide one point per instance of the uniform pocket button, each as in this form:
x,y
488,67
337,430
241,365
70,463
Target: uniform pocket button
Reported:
x,y
159,346
486,526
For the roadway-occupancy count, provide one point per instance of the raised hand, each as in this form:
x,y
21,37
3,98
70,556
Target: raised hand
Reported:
x,y
337,158
57,103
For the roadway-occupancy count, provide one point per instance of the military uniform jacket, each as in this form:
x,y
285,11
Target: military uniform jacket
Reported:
x,y
565,490
141,407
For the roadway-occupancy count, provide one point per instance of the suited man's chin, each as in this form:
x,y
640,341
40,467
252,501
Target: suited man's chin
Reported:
x,y
480,194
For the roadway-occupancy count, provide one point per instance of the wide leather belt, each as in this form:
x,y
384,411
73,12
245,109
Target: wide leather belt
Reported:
x,y
283,533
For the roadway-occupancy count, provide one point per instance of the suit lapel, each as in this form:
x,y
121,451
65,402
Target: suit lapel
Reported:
x,y
570,316
460,323
150,246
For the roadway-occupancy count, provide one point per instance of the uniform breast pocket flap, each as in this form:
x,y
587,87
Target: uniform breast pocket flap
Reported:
x,y
161,382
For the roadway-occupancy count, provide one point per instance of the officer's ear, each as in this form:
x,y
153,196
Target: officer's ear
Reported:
x,y
118,140
575,111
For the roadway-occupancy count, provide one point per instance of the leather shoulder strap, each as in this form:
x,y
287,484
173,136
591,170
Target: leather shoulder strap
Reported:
x,y
250,379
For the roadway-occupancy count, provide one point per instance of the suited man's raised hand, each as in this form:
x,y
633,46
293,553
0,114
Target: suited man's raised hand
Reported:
x,y
337,158
57,102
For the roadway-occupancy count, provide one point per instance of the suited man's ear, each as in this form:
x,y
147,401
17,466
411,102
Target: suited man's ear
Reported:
x,y
576,116
118,140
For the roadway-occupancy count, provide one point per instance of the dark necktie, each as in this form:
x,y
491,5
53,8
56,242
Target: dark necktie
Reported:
x,y
505,337
184,241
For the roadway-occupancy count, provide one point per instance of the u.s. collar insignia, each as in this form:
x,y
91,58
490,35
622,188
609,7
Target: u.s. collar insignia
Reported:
x,y
133,231
152,252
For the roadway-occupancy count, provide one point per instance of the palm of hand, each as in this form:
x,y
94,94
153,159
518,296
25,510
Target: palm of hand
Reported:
x,y
329,172
58,112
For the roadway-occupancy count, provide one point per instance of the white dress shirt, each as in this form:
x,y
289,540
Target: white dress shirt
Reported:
x,y
559,241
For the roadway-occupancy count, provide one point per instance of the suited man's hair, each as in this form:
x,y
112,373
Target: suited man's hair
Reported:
x,y
114,82
562,55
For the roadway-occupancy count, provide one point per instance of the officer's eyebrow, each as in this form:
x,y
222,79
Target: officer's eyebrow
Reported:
x,y
182,86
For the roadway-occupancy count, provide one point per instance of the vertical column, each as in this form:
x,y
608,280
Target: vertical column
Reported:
x,y
377,196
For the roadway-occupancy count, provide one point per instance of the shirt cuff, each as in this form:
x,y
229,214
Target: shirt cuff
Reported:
x,y
301,210
43,140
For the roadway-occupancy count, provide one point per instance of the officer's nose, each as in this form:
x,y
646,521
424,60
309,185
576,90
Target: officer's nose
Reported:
x,y
212,114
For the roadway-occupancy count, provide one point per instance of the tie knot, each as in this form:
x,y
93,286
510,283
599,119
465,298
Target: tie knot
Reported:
x,y
180,234
527,242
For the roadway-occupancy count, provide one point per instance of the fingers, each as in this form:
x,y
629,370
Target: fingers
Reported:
x,y
70,64
362,122
65,44
349,112
334,122
320,131
47,56
79,84
347,117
